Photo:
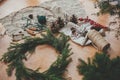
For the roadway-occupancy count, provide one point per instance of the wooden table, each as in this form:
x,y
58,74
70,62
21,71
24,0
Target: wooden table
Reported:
x,y
45,55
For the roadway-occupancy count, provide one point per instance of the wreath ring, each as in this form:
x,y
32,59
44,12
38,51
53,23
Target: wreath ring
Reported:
x,y
17,53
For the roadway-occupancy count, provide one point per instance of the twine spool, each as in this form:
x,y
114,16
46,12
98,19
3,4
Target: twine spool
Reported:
x,y
98,40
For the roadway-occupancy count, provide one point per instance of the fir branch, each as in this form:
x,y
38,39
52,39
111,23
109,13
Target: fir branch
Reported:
x,y
106,7
101,67
16,53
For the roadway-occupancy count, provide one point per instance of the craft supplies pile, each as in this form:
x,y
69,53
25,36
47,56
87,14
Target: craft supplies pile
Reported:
x,y
82,31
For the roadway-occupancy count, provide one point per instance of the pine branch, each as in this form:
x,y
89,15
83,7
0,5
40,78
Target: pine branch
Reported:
x,y
106,7
16,53
101,67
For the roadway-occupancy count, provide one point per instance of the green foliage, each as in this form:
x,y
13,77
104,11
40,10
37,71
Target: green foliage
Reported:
x,y
101,67
17,52
106,7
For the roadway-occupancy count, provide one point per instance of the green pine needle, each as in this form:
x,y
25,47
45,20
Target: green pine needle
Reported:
x,y
101,67
17,52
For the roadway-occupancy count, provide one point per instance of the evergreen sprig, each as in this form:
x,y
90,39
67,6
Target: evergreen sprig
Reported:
x,y
101,67
17,53
106,7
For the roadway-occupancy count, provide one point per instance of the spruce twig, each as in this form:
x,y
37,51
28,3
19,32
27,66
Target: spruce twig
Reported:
x,y
101,67
16,53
